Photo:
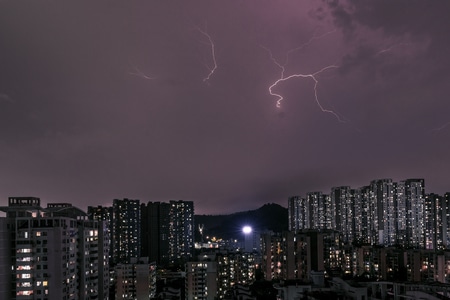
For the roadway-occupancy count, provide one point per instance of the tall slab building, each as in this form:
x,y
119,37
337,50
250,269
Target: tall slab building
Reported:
x,y
155,232
168,231
126,237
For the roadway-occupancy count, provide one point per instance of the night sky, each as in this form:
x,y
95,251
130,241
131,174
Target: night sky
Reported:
x,y
161,100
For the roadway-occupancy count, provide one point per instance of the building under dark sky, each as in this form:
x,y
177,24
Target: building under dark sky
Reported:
x,y
155,231
384,212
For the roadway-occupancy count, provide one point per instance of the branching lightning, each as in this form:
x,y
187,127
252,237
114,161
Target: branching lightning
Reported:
x,y
312,76
213,55
316,82
141,74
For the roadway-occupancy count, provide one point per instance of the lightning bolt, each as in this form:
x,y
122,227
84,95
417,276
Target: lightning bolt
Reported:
x,y
314,37
213,55
390,48
312,76
442,127
141,74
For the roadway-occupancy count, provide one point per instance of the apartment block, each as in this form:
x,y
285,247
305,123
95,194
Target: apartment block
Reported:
x,y
55,252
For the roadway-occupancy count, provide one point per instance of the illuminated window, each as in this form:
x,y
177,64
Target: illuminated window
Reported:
x,y
26,250
24,293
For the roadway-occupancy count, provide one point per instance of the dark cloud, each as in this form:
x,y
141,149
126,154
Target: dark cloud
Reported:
x,y
80,120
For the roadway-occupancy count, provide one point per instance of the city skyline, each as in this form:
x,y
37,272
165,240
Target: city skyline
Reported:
x,y
313,193
225,104
408,246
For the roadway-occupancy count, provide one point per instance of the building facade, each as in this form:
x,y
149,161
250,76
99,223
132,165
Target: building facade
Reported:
x,y
181,231
383,213
55,252
136,280
126,237
201,280
155,232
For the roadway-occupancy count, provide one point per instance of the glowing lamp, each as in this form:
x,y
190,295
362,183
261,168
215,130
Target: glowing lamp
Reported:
x,y
246,229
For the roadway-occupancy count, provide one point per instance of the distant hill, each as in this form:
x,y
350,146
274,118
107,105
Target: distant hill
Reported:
x,y
271,216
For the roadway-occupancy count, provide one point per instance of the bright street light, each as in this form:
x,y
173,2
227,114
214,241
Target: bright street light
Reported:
x,y
246,229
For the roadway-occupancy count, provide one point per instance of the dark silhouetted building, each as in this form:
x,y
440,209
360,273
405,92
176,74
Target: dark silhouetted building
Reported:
x,y
168,231
155,232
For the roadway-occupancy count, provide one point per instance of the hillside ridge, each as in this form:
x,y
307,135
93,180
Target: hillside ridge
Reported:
x,y
270,216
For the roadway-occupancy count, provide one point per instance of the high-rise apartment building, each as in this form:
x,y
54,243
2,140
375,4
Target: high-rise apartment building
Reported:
x,y
136,280
93,258
446,219
201,280
126,230
342,211
104,214
234,268
93,243
168,231
272,264
383,213
402,214
295,255
320,210
181,231
53,252
434,214
5,259
163,232
155,232
382,194
297,213
414,198
363,216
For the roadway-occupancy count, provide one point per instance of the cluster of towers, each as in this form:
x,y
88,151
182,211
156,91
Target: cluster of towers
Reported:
x,y
163,232
383,213
62,252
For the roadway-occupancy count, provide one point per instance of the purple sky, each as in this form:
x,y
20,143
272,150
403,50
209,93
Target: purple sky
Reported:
x,y
107,99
